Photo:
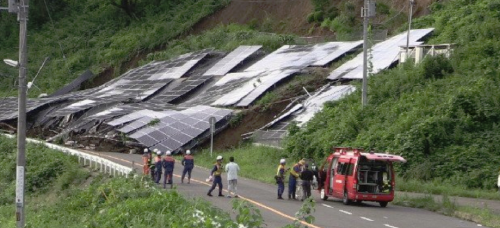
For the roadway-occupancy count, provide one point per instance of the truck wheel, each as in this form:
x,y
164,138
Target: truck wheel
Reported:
x,y
323,194
383,204
345,199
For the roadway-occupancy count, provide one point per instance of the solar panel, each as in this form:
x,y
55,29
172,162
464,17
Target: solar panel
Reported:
x,y
331,51
9,107
181,90
267,82
231,60
178,67
383,55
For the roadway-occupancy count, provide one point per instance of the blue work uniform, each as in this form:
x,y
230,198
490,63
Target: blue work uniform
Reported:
x,y
188,163
292,180
168,164
280,180
158,168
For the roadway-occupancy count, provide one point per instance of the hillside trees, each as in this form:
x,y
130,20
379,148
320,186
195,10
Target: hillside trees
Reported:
x,y
442,115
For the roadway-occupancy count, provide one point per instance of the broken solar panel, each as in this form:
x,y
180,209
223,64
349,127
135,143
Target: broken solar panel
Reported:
x,y
315,103
177,68
184,88
333,50
134,116
383,55
223,66
8,106
178,127
266,82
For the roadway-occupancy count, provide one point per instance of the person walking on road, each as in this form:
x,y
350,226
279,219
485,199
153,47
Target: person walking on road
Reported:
x,y
188,163
307,177
232,170
292,179
280,178
158,167
146,160
215,174
168,164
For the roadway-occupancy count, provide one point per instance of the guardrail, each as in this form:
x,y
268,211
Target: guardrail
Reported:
x,y
104,165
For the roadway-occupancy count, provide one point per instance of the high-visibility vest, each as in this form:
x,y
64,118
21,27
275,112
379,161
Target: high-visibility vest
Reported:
x,y
279,168
218,171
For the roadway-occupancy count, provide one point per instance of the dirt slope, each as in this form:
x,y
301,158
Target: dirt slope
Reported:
x,y
278,16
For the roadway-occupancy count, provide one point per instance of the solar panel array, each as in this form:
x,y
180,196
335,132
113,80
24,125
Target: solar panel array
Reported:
x,y
9,105
231,60
178,67
178,128
383,55
177,92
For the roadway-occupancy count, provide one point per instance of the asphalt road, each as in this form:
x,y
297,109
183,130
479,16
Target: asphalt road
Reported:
x,y
278,213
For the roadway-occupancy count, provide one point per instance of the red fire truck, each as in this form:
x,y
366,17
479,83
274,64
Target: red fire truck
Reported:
x,y
355,175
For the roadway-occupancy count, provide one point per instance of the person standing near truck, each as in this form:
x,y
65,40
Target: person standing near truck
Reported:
x,y
307,177
292,179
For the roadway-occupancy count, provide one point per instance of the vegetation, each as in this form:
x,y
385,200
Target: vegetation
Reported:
x,y
442,115
95,35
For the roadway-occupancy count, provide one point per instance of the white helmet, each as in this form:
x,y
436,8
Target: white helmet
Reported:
x,y
282,161
219,157
158,152
188,152
169,153
155,150
146,150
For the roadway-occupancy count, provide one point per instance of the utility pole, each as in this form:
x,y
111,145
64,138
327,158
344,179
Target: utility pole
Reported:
x,y
412,2
367,11
21,8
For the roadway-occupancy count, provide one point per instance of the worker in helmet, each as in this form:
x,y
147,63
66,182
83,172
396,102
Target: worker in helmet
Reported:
x,y
152,162
215,174
280,178
158,166
292,179
188,163
168,164
146,157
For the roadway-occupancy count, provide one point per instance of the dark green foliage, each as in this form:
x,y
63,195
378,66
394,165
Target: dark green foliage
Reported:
x,y
93,34
442,115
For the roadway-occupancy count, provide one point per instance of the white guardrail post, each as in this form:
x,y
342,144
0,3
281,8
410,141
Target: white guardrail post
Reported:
x,y
103,163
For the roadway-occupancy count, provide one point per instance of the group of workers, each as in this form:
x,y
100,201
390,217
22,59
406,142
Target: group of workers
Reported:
x,y
155,165
299,170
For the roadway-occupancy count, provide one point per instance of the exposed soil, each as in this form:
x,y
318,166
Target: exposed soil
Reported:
x,y
282,16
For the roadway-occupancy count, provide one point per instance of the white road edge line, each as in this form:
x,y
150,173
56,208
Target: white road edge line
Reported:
x,y
367,219
326,205
346,212
390,226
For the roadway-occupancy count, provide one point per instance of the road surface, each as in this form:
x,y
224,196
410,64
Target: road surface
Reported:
x,y
278,213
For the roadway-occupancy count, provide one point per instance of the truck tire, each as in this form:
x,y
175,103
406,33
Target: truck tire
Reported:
x,y
383,204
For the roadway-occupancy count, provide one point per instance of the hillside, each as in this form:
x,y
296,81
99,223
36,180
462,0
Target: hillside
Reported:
x,y
436,114
442,115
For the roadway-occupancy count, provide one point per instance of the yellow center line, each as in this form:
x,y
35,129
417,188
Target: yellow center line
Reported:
x,y
241,197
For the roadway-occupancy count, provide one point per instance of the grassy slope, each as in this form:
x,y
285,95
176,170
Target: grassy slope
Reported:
x,y
60,195
442,115
95,35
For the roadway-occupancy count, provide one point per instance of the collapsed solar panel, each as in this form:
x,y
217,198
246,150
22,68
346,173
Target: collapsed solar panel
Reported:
x,y
181,90
223,66
383,55
333,50
178,128
177,68
8,106
315,103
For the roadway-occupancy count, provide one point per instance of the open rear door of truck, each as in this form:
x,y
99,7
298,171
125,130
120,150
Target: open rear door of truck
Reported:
x,y
384,157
